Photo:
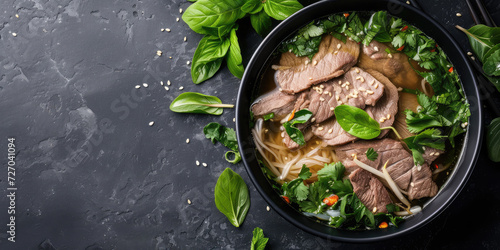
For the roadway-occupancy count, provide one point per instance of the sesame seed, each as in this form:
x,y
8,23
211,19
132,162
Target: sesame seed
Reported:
x,y
372,82
389,55
375,48
17,15
347,83
412,184
313,119
326,92
151,123
188,62
330,94
170,57
337,97
459,14
437,154
306,62
204,164
168,82
362,89
310,78
189,201
473,58
266,130
166,88
340,82
322,86
181,88
376,85
197,163
353,155
419,168
347,87
280,89
432,153
388,116
14,34
185,39
382,119
162,29
340,102
145,85
282,134
336,52
332,108
167,30
407,2
339,45
234,119
320,128
400,89
159,53
137,86
187,140
268,208
177,19
322,99
330,131
374,209
161,82
180,10
315,62
357,70
469,53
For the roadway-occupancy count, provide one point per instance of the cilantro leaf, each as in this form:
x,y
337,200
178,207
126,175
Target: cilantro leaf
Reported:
x,y
371,154
304,173
333,171
301,192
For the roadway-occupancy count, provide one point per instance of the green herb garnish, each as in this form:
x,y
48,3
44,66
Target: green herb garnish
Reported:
x,y
430,138
227,137
493,140
299,117
268,116
192,102
259,242
371,154
231,197
217,20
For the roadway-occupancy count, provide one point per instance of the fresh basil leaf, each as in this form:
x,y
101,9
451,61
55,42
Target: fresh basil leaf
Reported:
x,y
371,154
216,132
332,171
493,140
219,31
261,23
430,138
491,63
300,117
231,197
192,102
208,13
305,173
495,80
208,57
259,242
252,6
482,38
357,122
234,60
268,116
281,9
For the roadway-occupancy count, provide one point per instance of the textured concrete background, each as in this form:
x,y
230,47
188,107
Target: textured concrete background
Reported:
x,y
92,174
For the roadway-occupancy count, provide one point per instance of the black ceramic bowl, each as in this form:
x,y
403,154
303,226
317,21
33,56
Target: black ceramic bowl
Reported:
x,y
248,90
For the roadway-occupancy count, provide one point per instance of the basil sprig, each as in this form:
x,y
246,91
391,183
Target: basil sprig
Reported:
x,y
231,197
217,20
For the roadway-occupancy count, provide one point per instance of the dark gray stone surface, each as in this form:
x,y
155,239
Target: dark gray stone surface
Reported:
x,y
92,174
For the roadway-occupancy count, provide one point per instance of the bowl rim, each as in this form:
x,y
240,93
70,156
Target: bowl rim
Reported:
x,y
464,167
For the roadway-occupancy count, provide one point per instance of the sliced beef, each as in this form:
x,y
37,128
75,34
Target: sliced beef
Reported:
x,y
386,109
292,145
370,191
276,102
331,133
356,88
431,154
421,184
400,164
396,66
334,58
